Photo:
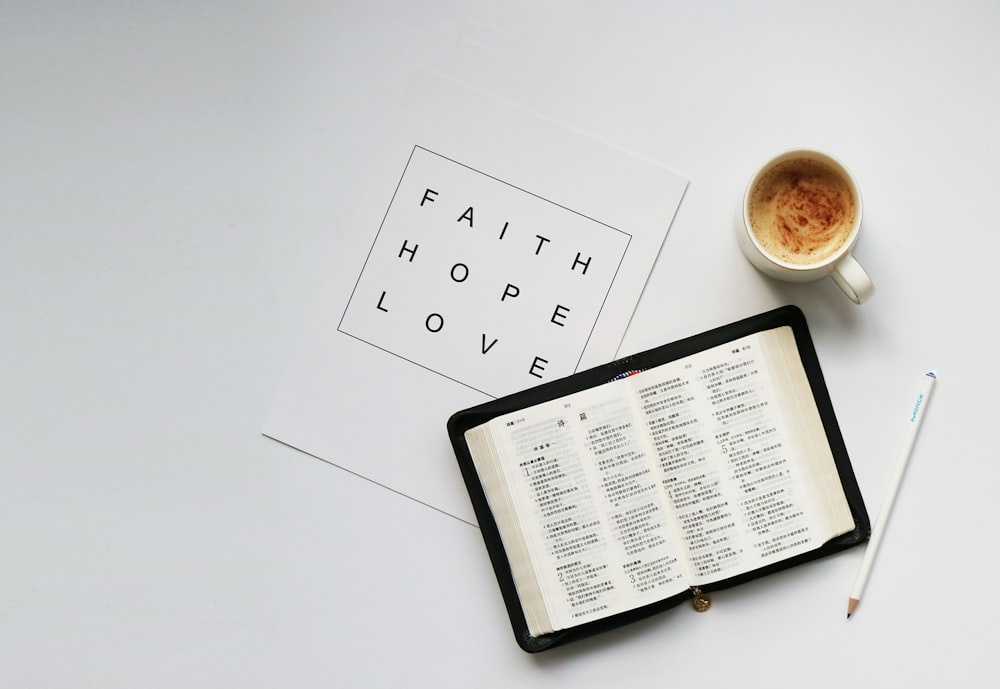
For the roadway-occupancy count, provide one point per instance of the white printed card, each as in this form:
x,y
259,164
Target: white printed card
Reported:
x,y
494,250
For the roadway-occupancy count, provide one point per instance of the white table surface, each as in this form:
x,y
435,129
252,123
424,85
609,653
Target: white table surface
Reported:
x,y
172,183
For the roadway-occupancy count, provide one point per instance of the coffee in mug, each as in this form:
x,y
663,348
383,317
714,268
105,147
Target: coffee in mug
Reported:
x,y
801,217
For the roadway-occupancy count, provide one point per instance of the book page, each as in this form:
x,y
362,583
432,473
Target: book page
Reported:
x,y
685,474
589,508
742,454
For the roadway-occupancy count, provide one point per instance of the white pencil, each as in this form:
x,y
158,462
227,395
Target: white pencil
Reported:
x,y
912,426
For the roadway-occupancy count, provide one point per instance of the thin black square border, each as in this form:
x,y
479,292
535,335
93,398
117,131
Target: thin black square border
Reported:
x,y
406,167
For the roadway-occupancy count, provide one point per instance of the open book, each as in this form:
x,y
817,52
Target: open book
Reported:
x,y
623,490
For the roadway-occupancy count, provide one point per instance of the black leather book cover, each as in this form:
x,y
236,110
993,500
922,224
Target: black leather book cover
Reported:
x,y
463,420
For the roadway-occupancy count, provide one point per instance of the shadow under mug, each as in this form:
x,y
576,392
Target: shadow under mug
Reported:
x,y
841,265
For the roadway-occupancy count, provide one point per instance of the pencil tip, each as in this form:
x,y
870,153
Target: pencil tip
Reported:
x,y
851,605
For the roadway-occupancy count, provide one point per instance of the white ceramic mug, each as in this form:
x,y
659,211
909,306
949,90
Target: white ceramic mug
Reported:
x,y
840,264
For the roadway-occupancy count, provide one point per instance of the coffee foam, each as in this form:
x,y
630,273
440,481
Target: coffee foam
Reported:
x,y
802,211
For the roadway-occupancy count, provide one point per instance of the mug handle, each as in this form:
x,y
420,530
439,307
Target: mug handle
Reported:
x,y
852,279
